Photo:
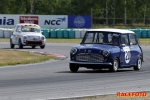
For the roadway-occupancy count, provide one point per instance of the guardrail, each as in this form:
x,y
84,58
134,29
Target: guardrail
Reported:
x,y
70,33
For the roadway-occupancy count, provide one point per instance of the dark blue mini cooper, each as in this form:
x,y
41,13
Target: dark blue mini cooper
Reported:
x,y
107,48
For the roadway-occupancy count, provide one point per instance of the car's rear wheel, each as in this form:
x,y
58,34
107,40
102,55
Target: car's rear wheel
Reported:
x,y
138,64
20,44
33,47
11,44
73,68
42,47
115,66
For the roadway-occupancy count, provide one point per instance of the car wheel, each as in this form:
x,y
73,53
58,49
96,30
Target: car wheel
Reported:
x,y
33,47
20,44
138,64
42,47
11,44
73,68
115,66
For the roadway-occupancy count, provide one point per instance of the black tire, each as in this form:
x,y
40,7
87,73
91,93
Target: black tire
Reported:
x,y
115,66
73,68
138,64
20,44
33,47
42,47
11,44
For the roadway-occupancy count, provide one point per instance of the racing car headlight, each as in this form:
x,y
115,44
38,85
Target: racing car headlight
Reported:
x,y
42,38
73,51
106,53
24,37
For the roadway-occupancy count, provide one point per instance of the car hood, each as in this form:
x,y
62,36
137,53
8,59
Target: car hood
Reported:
x,y
95,48
32,34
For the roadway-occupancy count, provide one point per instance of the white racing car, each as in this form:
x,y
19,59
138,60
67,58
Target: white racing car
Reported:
x,y
27,35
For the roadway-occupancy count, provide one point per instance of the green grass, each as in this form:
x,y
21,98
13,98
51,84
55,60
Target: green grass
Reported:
x,y
14,57
143,41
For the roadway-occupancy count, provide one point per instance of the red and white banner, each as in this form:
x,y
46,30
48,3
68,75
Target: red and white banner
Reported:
x,y
29,19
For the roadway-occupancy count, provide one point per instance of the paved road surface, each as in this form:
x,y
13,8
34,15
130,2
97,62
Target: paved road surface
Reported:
x,y
53,79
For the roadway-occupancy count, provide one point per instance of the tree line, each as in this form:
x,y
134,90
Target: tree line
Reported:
x,y
102,11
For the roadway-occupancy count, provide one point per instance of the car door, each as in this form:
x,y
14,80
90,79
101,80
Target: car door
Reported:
x,y
125,54
134,48
18,33
14,35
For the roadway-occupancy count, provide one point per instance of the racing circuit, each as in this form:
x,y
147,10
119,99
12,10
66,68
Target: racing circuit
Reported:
x,y
53,79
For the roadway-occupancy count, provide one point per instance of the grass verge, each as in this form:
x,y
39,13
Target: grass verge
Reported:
x,y
14,57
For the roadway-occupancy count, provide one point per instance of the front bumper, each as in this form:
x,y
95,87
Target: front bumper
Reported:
x,y
33,43
91,64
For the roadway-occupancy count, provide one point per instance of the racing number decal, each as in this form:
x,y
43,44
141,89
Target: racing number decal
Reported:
x,y
127,54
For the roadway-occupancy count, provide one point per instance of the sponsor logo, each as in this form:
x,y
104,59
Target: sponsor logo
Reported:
x,y
57,21
5,21
29,19
79,21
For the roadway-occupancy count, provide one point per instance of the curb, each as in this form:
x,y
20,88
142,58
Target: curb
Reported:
x,y
48,54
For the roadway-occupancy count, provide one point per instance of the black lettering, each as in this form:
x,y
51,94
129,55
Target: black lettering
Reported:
x,y
57,22
47,22
4,20
52,22
0,21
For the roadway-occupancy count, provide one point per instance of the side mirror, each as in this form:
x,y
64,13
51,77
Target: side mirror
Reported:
x,y
123,45
19,31
131,43
42,32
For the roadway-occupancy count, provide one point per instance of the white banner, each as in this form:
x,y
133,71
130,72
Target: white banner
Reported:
x,y
8,20
53,21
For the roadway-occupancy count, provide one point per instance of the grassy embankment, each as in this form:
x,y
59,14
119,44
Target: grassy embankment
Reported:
x,y
14,57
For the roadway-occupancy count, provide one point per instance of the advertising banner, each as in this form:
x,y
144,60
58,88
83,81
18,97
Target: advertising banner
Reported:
x,y
29,19
79,21
46,21
8,20
53,21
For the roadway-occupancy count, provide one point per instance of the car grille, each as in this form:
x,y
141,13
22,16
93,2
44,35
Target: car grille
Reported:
x,y
34,42
33,37
89,57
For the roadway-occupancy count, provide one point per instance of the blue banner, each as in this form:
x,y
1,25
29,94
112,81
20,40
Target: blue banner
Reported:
x,y
79,21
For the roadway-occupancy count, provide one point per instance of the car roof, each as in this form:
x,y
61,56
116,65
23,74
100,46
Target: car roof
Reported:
x,y
27,24
122,31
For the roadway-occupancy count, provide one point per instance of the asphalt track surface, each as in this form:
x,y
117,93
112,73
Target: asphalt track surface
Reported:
x,y
53,79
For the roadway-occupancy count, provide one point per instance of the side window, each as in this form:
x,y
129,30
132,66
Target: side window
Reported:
x,y
124,40
18,28
132,39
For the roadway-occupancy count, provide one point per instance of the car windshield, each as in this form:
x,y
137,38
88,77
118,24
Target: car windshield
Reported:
x,y
101,38
30,29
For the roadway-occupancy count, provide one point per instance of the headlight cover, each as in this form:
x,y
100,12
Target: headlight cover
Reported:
x,y
24,37
42,38
73,51
106,53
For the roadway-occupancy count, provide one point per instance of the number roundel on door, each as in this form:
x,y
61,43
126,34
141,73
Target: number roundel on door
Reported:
x,y
127,54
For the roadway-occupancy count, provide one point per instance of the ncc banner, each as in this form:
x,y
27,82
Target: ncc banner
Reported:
x,y
79,22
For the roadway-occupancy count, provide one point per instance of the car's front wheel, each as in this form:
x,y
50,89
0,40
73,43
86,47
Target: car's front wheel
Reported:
x,y
11,44
42,47
33,47
138,64
115,66
73,68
